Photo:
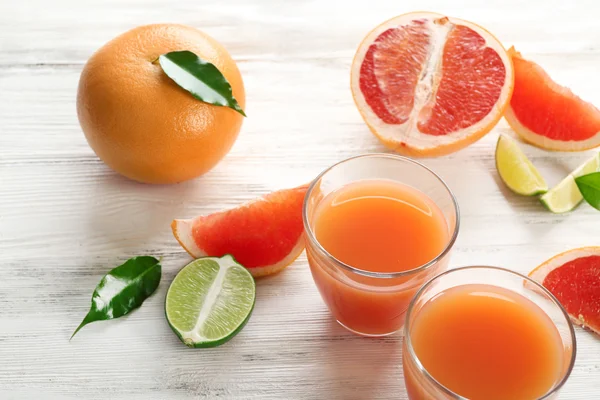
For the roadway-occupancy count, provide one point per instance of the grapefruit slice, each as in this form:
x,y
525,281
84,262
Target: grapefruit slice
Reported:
x,y
428,85
573,277
548,115
264,235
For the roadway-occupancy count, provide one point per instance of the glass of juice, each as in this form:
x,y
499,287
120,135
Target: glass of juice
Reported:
x,y
377,227
486,333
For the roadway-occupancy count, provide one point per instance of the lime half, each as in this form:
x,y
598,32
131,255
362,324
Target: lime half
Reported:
x,y
515,169
566,196
209,301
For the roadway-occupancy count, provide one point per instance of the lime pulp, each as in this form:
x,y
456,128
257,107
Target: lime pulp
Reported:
x,y
209,301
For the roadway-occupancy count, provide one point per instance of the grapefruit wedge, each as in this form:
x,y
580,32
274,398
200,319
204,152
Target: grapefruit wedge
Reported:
x,y
428,85
264,235
548,115
573,277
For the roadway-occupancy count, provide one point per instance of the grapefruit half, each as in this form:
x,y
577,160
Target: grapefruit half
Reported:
x,y
548,115
428,85
264,235
573,277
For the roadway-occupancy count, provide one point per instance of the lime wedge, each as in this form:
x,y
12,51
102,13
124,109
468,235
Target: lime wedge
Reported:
x,y
209,301
566,196
515,169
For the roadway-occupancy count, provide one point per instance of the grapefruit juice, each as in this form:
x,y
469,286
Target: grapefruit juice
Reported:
x,y
381,226
483,341
374,227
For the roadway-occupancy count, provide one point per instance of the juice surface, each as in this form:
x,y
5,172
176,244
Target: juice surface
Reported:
x,y
381,226
486,342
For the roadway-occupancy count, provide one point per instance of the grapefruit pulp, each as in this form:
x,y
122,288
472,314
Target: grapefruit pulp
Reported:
x,y
264,235
573,277
548,115
428,85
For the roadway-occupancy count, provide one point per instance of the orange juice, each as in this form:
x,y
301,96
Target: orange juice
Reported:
x,y
485,342
379,226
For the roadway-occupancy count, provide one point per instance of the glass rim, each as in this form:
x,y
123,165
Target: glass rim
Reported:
x,y
387,275
443,388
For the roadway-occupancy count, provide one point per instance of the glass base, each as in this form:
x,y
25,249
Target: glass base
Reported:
x,y
373,335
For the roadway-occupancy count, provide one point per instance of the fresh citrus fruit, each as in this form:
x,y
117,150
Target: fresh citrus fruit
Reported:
x,y
573,277
548,115
140,122
264,235
428,85
566,196
515,169
209,301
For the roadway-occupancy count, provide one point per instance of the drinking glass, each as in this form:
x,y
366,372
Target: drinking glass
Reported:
x,y
365,302
420,385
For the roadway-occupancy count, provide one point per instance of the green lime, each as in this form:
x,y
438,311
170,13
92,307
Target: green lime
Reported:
x,y
209,301
515,169
566,196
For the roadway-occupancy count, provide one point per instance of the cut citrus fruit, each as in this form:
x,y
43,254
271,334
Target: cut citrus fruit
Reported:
x,y
209,301
547,114
566,195
573,277
264,235
428,85
515,169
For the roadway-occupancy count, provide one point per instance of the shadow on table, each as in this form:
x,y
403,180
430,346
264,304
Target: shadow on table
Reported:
x,y
124,216
354,367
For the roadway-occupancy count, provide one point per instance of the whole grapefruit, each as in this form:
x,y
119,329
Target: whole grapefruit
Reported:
x,y
140,122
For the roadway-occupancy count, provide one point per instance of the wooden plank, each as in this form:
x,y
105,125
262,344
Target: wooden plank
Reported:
x,y
65,218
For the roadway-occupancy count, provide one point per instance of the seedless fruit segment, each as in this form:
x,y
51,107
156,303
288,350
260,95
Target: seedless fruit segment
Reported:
x,y
428,85
547,114
210,301
265,235
574,278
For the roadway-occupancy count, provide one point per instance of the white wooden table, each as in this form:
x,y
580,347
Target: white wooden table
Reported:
x,y
66,219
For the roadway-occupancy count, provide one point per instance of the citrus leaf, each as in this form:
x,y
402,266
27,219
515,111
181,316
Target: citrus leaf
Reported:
x,y
123,289
589,186
199,77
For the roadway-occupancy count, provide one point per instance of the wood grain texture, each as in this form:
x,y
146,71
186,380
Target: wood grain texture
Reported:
x,y
66,219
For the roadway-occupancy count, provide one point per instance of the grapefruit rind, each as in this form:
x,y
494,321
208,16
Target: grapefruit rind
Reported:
x,y
182,230
516,170
566,196
546,143
405,138
541,141
540,272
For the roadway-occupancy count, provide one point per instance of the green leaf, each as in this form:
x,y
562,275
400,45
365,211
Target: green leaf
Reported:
x,y
589,186
123,289
199,77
